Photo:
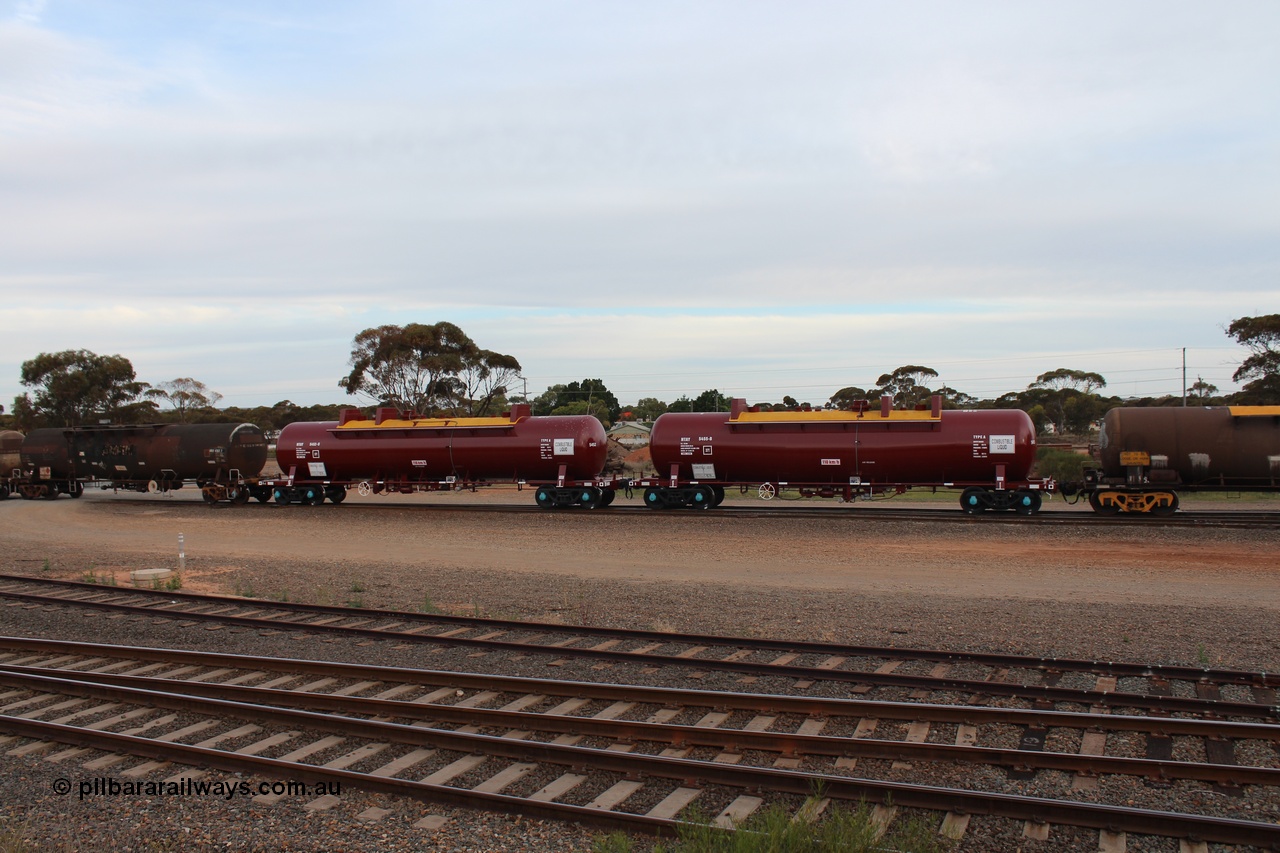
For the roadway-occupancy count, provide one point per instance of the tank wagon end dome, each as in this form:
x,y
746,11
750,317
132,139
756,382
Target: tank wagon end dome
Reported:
x,y
10,452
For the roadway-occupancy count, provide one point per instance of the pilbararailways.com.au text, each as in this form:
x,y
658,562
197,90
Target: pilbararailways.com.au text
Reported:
x,y
101,786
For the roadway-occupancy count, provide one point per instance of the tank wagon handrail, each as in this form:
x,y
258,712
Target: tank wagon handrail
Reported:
x,y
741,413
91,428
424,424
835,416
390,418
1254,411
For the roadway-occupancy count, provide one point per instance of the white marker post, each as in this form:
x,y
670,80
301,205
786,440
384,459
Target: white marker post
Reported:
x,y
182,554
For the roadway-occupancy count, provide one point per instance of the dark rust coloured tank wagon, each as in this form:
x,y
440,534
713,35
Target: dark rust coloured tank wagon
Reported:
x,y
863,452
1147,455
220,458
561,457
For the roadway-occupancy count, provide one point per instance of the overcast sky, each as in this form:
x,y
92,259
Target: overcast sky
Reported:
x,y
765,198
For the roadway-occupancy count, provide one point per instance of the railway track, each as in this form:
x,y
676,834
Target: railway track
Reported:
x,y
899,673
618,754
806,509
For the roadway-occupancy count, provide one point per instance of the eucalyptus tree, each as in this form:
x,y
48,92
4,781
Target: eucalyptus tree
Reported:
x,y
1261,335
429,368
75,387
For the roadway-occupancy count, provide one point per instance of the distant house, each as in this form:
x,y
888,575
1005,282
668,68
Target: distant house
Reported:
x,y
631,434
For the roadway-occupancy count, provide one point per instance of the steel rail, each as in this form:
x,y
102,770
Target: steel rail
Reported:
x,y
949,514
206,757
1039,693
664,696
1225,520
1168,672
726,739
759,702
1114,818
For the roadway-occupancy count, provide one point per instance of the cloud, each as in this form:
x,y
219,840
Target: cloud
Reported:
x,y
682,196
28,11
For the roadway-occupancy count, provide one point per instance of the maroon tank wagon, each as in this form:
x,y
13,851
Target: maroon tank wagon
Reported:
x,y
1147,455
561,457
868,451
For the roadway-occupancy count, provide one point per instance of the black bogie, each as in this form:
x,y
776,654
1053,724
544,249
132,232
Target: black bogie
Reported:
x,y
695,496
307,494
976,500
562,497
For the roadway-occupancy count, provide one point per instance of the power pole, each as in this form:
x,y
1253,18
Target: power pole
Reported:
x,y
1184,377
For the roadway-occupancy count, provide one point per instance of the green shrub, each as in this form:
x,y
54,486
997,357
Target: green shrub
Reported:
x,y
1064,466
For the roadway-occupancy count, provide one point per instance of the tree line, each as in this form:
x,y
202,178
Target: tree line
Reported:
x,y
438,370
